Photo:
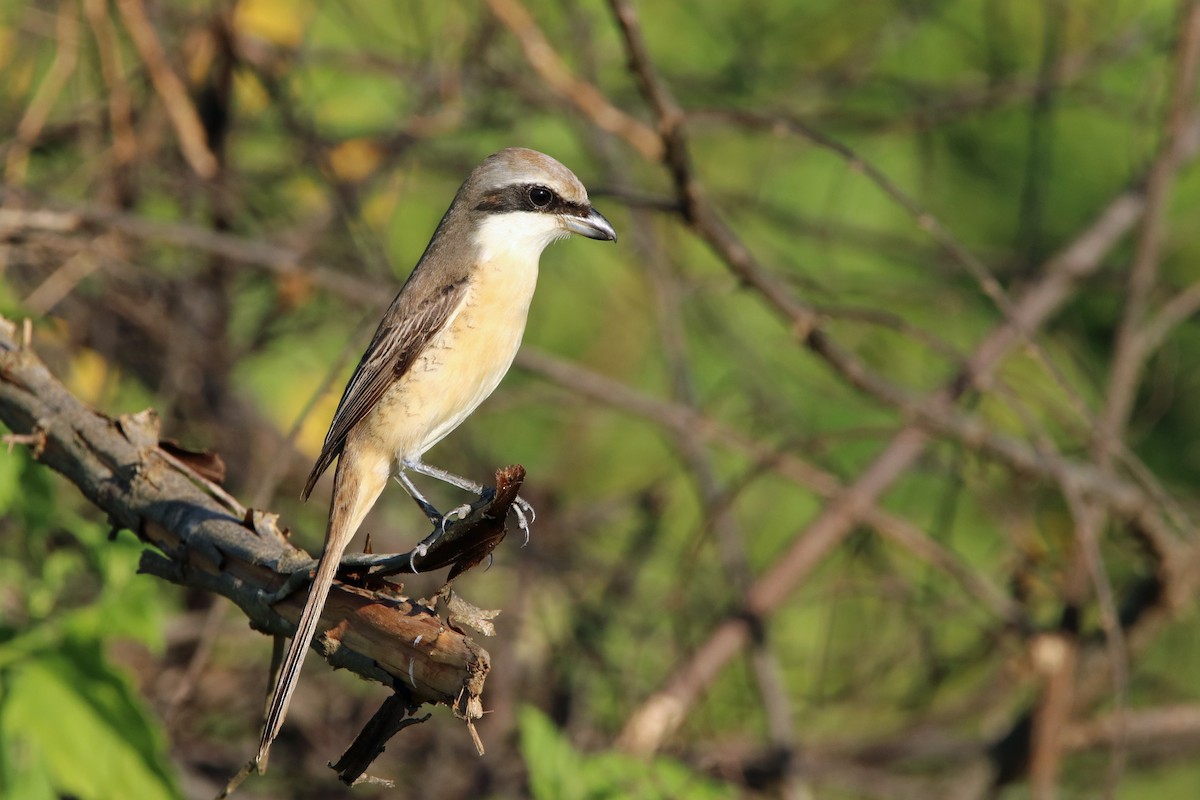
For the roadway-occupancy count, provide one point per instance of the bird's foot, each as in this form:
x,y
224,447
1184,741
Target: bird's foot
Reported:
x,y
521,507
525,516
455,514
441,522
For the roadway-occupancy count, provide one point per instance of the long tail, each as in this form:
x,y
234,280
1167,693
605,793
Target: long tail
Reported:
x,y
289,674
355,490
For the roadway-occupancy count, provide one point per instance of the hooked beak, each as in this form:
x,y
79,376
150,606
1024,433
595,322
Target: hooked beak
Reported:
x,y
593,226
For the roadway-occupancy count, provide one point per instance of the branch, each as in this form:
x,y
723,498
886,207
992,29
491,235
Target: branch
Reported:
x,y
203,540
66,57
193,142
88,221
569,88
1129,357
661,714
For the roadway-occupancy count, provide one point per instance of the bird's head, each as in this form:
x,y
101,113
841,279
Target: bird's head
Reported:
x,y
533,196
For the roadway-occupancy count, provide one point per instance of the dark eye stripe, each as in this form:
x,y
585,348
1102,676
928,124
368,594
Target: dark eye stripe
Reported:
x,y
507,199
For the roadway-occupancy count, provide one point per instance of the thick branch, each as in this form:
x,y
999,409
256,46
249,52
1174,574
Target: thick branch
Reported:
x,y
204,540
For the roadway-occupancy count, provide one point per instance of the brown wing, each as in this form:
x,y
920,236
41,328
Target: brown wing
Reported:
x,y
402,336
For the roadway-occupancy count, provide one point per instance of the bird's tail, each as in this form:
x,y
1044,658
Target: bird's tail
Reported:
x,y
354,492
289,673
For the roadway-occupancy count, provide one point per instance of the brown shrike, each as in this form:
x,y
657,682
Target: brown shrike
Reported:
x,y
442,347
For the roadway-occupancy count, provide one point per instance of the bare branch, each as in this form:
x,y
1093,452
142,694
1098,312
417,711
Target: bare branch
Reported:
x,y
193,142
66,56
569,88
200,541
662,713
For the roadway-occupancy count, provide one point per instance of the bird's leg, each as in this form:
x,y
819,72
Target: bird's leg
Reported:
x,y
302,576
439,519
524,511
427,508
521,506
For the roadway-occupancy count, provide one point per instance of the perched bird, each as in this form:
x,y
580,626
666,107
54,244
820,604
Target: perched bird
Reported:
x,y
442,347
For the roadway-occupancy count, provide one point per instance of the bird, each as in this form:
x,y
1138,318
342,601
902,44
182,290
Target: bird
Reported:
x,y
441,348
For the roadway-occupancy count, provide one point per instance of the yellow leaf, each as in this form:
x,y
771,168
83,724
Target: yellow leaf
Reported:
x,y
89,376
250,94
316,424
354,159
282,22
380,207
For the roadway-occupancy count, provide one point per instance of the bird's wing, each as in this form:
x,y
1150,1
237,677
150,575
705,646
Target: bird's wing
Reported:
x,y
402,336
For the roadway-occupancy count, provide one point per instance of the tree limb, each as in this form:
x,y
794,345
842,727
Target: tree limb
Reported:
x,y
206,540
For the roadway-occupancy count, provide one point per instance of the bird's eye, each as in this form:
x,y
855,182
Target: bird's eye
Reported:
x,y
540,196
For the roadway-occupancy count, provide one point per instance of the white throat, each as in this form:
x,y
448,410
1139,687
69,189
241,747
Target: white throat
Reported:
x,y
517,237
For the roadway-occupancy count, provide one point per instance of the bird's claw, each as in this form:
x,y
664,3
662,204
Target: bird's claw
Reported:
x,y
524,505
442,521
522,508
455,515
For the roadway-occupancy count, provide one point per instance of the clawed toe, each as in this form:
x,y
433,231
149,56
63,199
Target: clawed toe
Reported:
x,y
455,514
524,505
442,522
522,508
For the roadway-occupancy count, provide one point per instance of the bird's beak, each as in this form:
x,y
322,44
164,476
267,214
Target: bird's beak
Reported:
x,y
593,226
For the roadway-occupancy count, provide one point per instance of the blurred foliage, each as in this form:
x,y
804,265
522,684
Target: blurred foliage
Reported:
x,y
346,128
72,723
557,771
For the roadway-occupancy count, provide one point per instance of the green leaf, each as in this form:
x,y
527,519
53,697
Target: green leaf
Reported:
x,y
557,771
71,723
552,763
